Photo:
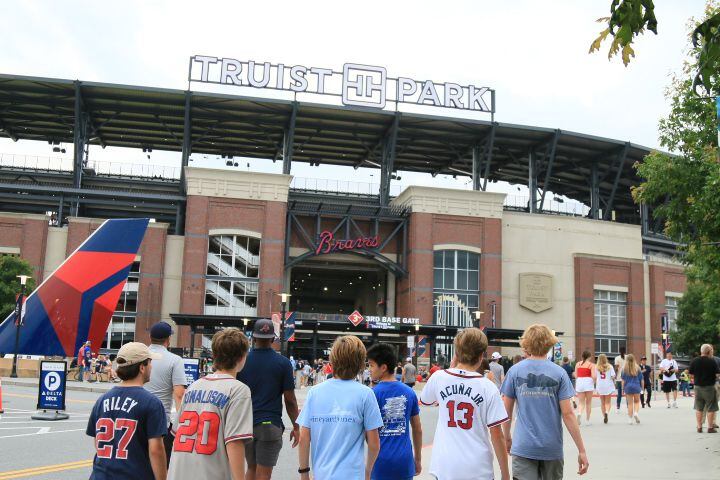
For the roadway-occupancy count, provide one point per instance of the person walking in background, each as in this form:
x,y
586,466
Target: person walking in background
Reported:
x,y
605,384
269,376
340,415
705,373
542,392
619,366
685,383
632,384
585,375
409,373
398,372
668,370
167,381
484,369
128,423
215,418
497,370
399,459
571,375
85,361
647,381
470,417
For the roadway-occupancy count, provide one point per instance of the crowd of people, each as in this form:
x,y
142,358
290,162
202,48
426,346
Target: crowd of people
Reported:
x,y
230,425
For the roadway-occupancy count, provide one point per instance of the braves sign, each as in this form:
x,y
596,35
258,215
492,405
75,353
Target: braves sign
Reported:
x,y
327,243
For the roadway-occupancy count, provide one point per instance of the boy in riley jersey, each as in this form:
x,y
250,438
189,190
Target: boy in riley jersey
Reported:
x,y
215,418
470,417
128,423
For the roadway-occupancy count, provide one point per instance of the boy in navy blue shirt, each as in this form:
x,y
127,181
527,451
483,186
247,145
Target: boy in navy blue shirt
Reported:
x,y
128,423
399,408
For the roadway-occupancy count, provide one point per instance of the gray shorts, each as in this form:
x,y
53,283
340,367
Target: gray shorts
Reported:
x,y
529,469
264,448
706,398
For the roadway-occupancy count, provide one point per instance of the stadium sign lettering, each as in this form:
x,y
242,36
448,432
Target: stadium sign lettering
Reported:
x,y
358,85
328,244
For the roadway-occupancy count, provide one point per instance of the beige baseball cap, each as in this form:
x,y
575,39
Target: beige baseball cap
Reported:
x,y
134,352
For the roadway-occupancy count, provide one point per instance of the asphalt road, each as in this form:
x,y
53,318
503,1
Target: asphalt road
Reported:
x,y
664,446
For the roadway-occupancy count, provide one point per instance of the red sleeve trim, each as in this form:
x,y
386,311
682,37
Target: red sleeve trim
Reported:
x,y
238,437
428,404
494,424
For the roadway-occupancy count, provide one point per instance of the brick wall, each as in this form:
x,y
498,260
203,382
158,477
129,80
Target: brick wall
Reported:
x,y
29,234
663,278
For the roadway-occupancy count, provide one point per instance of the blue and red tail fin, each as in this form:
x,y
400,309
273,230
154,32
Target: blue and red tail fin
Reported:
x,y
77,301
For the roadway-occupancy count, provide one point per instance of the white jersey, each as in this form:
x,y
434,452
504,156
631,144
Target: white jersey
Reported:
x,y
606,381
667,365
469,405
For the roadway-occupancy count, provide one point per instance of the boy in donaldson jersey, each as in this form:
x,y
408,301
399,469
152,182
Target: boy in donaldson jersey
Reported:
x,y
399,408
128,423
215,418
470,416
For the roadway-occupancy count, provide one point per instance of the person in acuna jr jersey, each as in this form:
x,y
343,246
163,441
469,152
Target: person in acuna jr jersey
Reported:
x,y
399,459
215,418
470,415
128,423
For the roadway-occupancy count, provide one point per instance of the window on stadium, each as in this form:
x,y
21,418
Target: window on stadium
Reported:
x,y
610,322
122,325
671,307
456,291
232,275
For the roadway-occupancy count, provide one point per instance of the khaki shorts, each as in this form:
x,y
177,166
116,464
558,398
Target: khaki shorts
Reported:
x,y
529,469
706,397
264,448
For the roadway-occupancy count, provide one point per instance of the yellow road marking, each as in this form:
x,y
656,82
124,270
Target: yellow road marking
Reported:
x,y
27,472
24,395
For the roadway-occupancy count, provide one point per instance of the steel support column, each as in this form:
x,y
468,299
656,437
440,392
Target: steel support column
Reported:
x,y
532,182
594,191
476,167
611,200
549,162
289,140
187,139
79,142
644,219
388,160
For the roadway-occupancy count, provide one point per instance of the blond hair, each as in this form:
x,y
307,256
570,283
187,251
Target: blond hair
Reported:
x,y
470,344
602,364
537,340
631,367
229,346
347,357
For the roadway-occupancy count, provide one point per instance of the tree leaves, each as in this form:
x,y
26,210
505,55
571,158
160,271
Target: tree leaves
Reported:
x,y
10,268
628,19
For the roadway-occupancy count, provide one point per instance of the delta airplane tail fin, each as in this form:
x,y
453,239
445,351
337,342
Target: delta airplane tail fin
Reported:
x,y
77,301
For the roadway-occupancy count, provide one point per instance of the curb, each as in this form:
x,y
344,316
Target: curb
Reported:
x,y
76,388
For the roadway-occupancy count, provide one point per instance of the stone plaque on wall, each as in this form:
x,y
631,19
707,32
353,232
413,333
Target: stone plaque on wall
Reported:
x,y
536,291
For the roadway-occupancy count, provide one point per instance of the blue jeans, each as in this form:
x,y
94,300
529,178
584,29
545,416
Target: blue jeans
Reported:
x,y
685,388
619,394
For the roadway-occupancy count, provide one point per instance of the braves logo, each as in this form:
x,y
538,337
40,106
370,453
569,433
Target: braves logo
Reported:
x,y
265,328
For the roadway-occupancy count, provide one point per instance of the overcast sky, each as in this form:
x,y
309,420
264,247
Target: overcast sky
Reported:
x,y
534,53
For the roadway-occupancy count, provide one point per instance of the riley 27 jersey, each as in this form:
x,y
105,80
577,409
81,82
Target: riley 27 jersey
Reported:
x,y
215,411
469,404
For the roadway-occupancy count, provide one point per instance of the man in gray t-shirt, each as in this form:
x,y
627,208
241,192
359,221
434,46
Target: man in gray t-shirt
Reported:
x,y
497,370
167,379
409,373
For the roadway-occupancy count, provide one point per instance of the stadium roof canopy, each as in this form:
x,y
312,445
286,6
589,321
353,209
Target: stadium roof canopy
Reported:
x,y
593,170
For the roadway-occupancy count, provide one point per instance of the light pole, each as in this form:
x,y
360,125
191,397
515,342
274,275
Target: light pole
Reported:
x,y
477,313
245,324
283,302
417,340
18,322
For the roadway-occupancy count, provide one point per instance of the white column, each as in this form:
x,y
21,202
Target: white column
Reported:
x,y
646,300
390,300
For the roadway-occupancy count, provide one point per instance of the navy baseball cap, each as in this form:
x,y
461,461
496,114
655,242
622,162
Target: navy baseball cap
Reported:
x,y
161,330
263,328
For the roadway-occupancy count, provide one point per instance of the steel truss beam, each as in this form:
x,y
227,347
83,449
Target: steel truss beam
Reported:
x,y
388,160
622,157
549,162
289,140
483,156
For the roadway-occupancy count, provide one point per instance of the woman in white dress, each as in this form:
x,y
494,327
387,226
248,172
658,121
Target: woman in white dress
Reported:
x,y
605,384
585,374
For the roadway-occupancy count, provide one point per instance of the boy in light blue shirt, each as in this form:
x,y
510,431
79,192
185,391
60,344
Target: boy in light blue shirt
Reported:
x,y
339,415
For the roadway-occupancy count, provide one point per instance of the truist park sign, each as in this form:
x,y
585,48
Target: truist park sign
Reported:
x,y
356,85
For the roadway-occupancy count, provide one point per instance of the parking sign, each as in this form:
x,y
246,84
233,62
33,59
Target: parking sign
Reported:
x,y
51,388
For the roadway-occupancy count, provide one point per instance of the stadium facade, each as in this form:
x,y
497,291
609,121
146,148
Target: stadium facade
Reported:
x,y
382,264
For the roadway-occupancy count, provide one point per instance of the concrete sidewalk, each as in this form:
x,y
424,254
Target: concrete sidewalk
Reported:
x,y
97,387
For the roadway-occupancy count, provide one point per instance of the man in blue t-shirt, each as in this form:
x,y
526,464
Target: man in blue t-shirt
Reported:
x,y
269,376
400,412
87,361
128,423
543,392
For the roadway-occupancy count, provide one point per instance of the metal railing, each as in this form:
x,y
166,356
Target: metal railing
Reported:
x,y
328,185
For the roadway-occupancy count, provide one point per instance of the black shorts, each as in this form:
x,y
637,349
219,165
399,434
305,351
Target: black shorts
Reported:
x,y
264,448
668,386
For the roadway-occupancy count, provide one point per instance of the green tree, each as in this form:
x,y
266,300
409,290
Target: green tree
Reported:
x,y
685,189
10,268
630,18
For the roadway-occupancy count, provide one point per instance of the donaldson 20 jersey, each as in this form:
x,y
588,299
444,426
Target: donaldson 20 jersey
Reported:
x,y
469,405
215,411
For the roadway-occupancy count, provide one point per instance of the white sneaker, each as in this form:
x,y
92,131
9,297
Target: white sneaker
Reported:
x,y
668,405
637,419
630,421
587,423
675,405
